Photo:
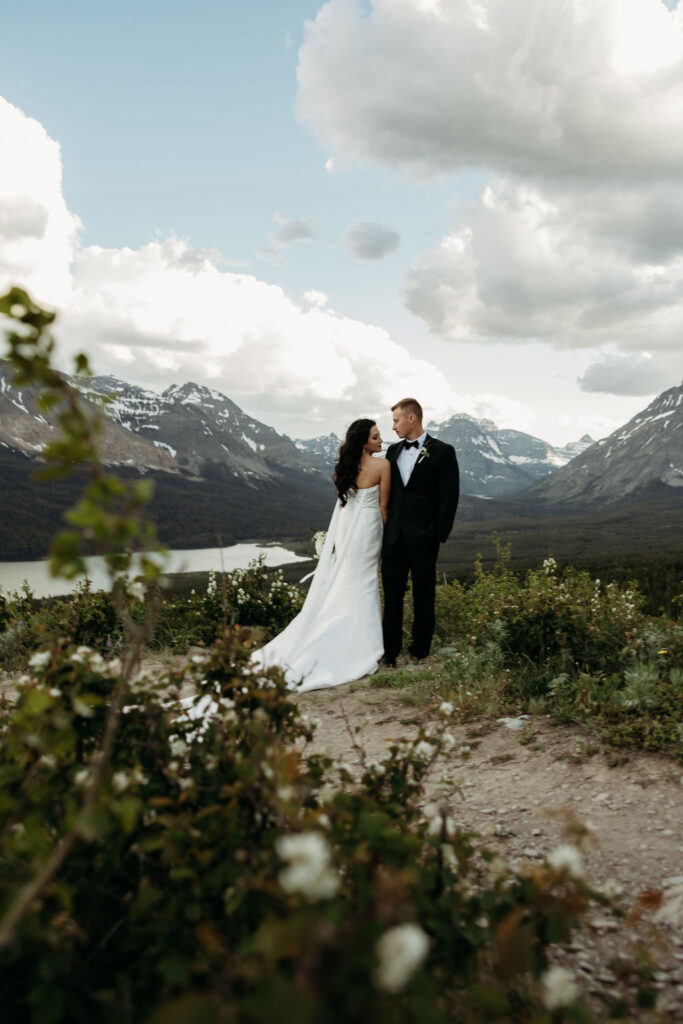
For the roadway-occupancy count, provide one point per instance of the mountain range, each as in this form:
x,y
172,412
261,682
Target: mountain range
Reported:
x,y
194,430
492,462
221,474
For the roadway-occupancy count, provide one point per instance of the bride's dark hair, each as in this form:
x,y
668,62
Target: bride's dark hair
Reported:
x,y
348,460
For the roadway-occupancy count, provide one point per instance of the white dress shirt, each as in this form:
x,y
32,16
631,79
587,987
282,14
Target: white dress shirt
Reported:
x,y
407,458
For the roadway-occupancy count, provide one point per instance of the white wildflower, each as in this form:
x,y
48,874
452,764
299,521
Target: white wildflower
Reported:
x,y
285,793
327,792
319,542
82,655
136,590
81,708
559,988
81,776
400,951
308,868
267,771
447,741
120,781
49,760
41,659
178,746
449,857
113,667
184,783
434,827
446,708
424,750
54,691
567,858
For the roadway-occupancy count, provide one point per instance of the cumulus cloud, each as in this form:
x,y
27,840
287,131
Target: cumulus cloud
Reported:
x,y
289,231
573,110
293,229
38,233
577,89
369,240
170,312
153,316
635,374
552,265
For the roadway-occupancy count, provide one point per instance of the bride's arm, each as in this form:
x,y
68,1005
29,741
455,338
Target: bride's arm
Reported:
x,y
384,488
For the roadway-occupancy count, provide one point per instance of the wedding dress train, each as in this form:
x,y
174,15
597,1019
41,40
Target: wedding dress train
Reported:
x,y
337,635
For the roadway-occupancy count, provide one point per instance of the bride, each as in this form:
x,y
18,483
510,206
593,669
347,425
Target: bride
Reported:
x,y
337,635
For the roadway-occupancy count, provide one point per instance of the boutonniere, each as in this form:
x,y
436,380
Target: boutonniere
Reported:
x,y
424,453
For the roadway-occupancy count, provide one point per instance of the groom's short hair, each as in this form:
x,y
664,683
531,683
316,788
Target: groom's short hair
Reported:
x,y
408,406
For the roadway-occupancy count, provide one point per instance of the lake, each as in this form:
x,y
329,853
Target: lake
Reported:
x,y
238,556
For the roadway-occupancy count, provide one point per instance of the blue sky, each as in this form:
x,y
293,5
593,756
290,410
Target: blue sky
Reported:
x,y
179,120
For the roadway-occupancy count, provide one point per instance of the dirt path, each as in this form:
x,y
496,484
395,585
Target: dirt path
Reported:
x,y
511,793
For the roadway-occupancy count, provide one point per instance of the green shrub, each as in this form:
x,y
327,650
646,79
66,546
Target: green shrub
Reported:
x,y
215,871
255,596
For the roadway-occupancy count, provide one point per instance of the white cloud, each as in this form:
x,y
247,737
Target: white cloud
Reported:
x,y
167,312
293,229
38,234
315,298
580,268
289,231
154,316
369,240
576,90
639,373
574,109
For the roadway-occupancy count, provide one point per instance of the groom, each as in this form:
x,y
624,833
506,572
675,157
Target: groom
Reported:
x,y
424,496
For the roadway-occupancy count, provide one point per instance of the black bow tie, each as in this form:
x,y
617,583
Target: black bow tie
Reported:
x,y
411,444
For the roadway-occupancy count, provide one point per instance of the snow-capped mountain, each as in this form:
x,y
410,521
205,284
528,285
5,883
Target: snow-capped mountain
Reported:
x,y
24,428
219,475
646,453
495,462
197,426
187,428
492,462
322,451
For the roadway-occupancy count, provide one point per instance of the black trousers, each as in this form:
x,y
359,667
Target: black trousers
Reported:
x,y
419,559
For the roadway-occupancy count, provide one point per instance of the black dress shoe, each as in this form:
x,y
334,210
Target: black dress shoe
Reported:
x,y
416,655
388,662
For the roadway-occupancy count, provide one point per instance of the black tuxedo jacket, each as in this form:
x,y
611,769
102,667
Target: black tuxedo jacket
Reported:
x,y
423,510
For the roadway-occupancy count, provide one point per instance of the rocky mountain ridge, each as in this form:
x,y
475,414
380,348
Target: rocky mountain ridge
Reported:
x,y
496,462
493,462
187,429
646,453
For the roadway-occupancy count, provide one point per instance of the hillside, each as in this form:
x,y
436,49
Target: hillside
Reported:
x,y
645,454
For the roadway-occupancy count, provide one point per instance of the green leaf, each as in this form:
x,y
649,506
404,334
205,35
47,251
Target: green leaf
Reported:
x,y
128,811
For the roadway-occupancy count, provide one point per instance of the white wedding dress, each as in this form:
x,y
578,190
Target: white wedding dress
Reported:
x,y
337,635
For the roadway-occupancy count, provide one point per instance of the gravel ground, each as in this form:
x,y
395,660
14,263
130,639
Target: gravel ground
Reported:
x,y
517,784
